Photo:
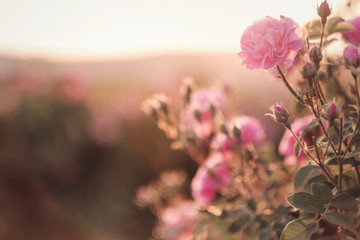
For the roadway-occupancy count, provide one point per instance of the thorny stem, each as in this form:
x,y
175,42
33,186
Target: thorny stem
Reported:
x,y
311,157
358,120
322,35
321,124
288,85
340,132
317,92
323,214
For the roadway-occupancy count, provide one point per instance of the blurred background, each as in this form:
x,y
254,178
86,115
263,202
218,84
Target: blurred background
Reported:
x,y
74,144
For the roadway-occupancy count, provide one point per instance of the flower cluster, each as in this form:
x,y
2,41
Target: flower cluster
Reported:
x,y
241,180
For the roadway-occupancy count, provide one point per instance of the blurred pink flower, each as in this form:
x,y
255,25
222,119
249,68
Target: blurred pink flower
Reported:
x,y
104,128
251,129
221,143
270,42
353,36
287,143
74,88
210,179
351,56
199,113
179,221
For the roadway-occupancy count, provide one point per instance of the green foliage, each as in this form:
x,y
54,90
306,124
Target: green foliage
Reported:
x,y
304,174
299,229
341,219
344,201
306,202
322,192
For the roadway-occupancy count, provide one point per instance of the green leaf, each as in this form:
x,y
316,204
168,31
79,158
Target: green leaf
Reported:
x,y
299,229
344,201
331,24
322,191
306,202
343,27
304,174
342,220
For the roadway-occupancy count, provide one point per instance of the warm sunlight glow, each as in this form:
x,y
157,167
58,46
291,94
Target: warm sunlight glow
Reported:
x,y
113,28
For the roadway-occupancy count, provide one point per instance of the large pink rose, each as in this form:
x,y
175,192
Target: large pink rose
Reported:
x,y
287,143
270,42
353,36
210,179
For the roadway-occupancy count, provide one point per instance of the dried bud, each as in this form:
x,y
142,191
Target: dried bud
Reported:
x,y
223,129
332,112
280,114
198,115
187,88
315,55
351,56
237,133
324,11
308,71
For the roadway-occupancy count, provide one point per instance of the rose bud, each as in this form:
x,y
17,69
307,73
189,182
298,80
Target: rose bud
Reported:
x,y
237,133
351,56
280,114
332,112
324,11
308,71
315,55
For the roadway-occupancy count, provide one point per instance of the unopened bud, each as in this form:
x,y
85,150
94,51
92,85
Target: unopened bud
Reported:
x,y
351,56
224,129
197,115
237,133
315,55
332,112
324,11
308,71
279,114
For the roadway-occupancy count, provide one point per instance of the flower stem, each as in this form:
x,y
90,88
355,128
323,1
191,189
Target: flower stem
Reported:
x,y
288,85
312,158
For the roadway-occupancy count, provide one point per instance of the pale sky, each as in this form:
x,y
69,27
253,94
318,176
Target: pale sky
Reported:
x,y
122,28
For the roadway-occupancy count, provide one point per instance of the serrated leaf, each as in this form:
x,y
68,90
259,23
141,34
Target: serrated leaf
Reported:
x,y
322,192
343,27
342,220
299,229
305,202
344,201
304,174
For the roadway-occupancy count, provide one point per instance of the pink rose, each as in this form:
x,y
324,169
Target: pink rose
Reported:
x,y
222,143
73,88
287,143
199,113
353,36
251,129
210,178
270,42
351,56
